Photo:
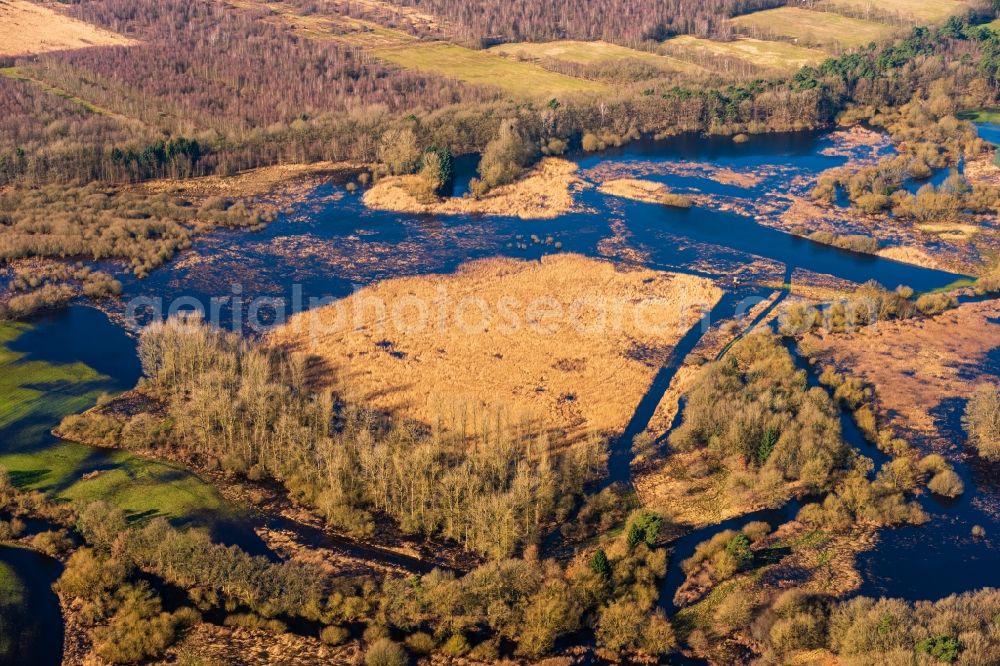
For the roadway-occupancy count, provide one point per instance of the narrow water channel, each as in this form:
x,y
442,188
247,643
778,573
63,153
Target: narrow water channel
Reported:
x,y
684,548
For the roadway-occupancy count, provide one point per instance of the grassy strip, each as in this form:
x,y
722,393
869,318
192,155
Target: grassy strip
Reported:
x,y
780,56
913,11
18,75
590,53
806,26
982,115
520,79
34,396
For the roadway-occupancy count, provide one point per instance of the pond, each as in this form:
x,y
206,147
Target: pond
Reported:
x,y
990,132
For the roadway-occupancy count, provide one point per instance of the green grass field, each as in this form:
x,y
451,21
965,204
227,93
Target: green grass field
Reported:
x,y
981,116
589,53
520,79
915,11
35,396
778,56
812,28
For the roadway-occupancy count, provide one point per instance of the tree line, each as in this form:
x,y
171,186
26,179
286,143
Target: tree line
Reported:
x,y
117,568
629,22
478,479
201,83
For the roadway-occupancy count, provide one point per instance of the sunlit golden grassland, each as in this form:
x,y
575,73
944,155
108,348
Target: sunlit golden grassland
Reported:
x,y
520,79
564,342
772,55
589,53
914,11
27,28
813,28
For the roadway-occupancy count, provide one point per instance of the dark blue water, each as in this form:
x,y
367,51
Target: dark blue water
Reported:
x,y
990,132
82,335
31,632
684,548
325,249
943,557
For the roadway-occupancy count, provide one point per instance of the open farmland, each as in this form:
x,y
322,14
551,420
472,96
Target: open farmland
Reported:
x,y
812,28
780,56
909,11
520,79
326,27
27,28
589,53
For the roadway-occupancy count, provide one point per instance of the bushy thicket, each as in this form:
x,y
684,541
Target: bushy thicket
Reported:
x,y
982,421
754,405
907,469
507,606
870,303
957,629
126,618
36,287
727,552
144,230
253,408
853,242
857,501
930,137
527,603
504,158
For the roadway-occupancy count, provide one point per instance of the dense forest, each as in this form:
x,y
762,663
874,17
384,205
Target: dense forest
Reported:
x,y
621,21
197,77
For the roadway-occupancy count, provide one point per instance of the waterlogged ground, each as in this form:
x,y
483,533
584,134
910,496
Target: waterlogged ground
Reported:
x,y
50,368
923,374
61,365
332,245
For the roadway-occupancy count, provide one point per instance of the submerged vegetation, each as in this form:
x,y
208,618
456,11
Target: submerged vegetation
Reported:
x,y
135,229
96,222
